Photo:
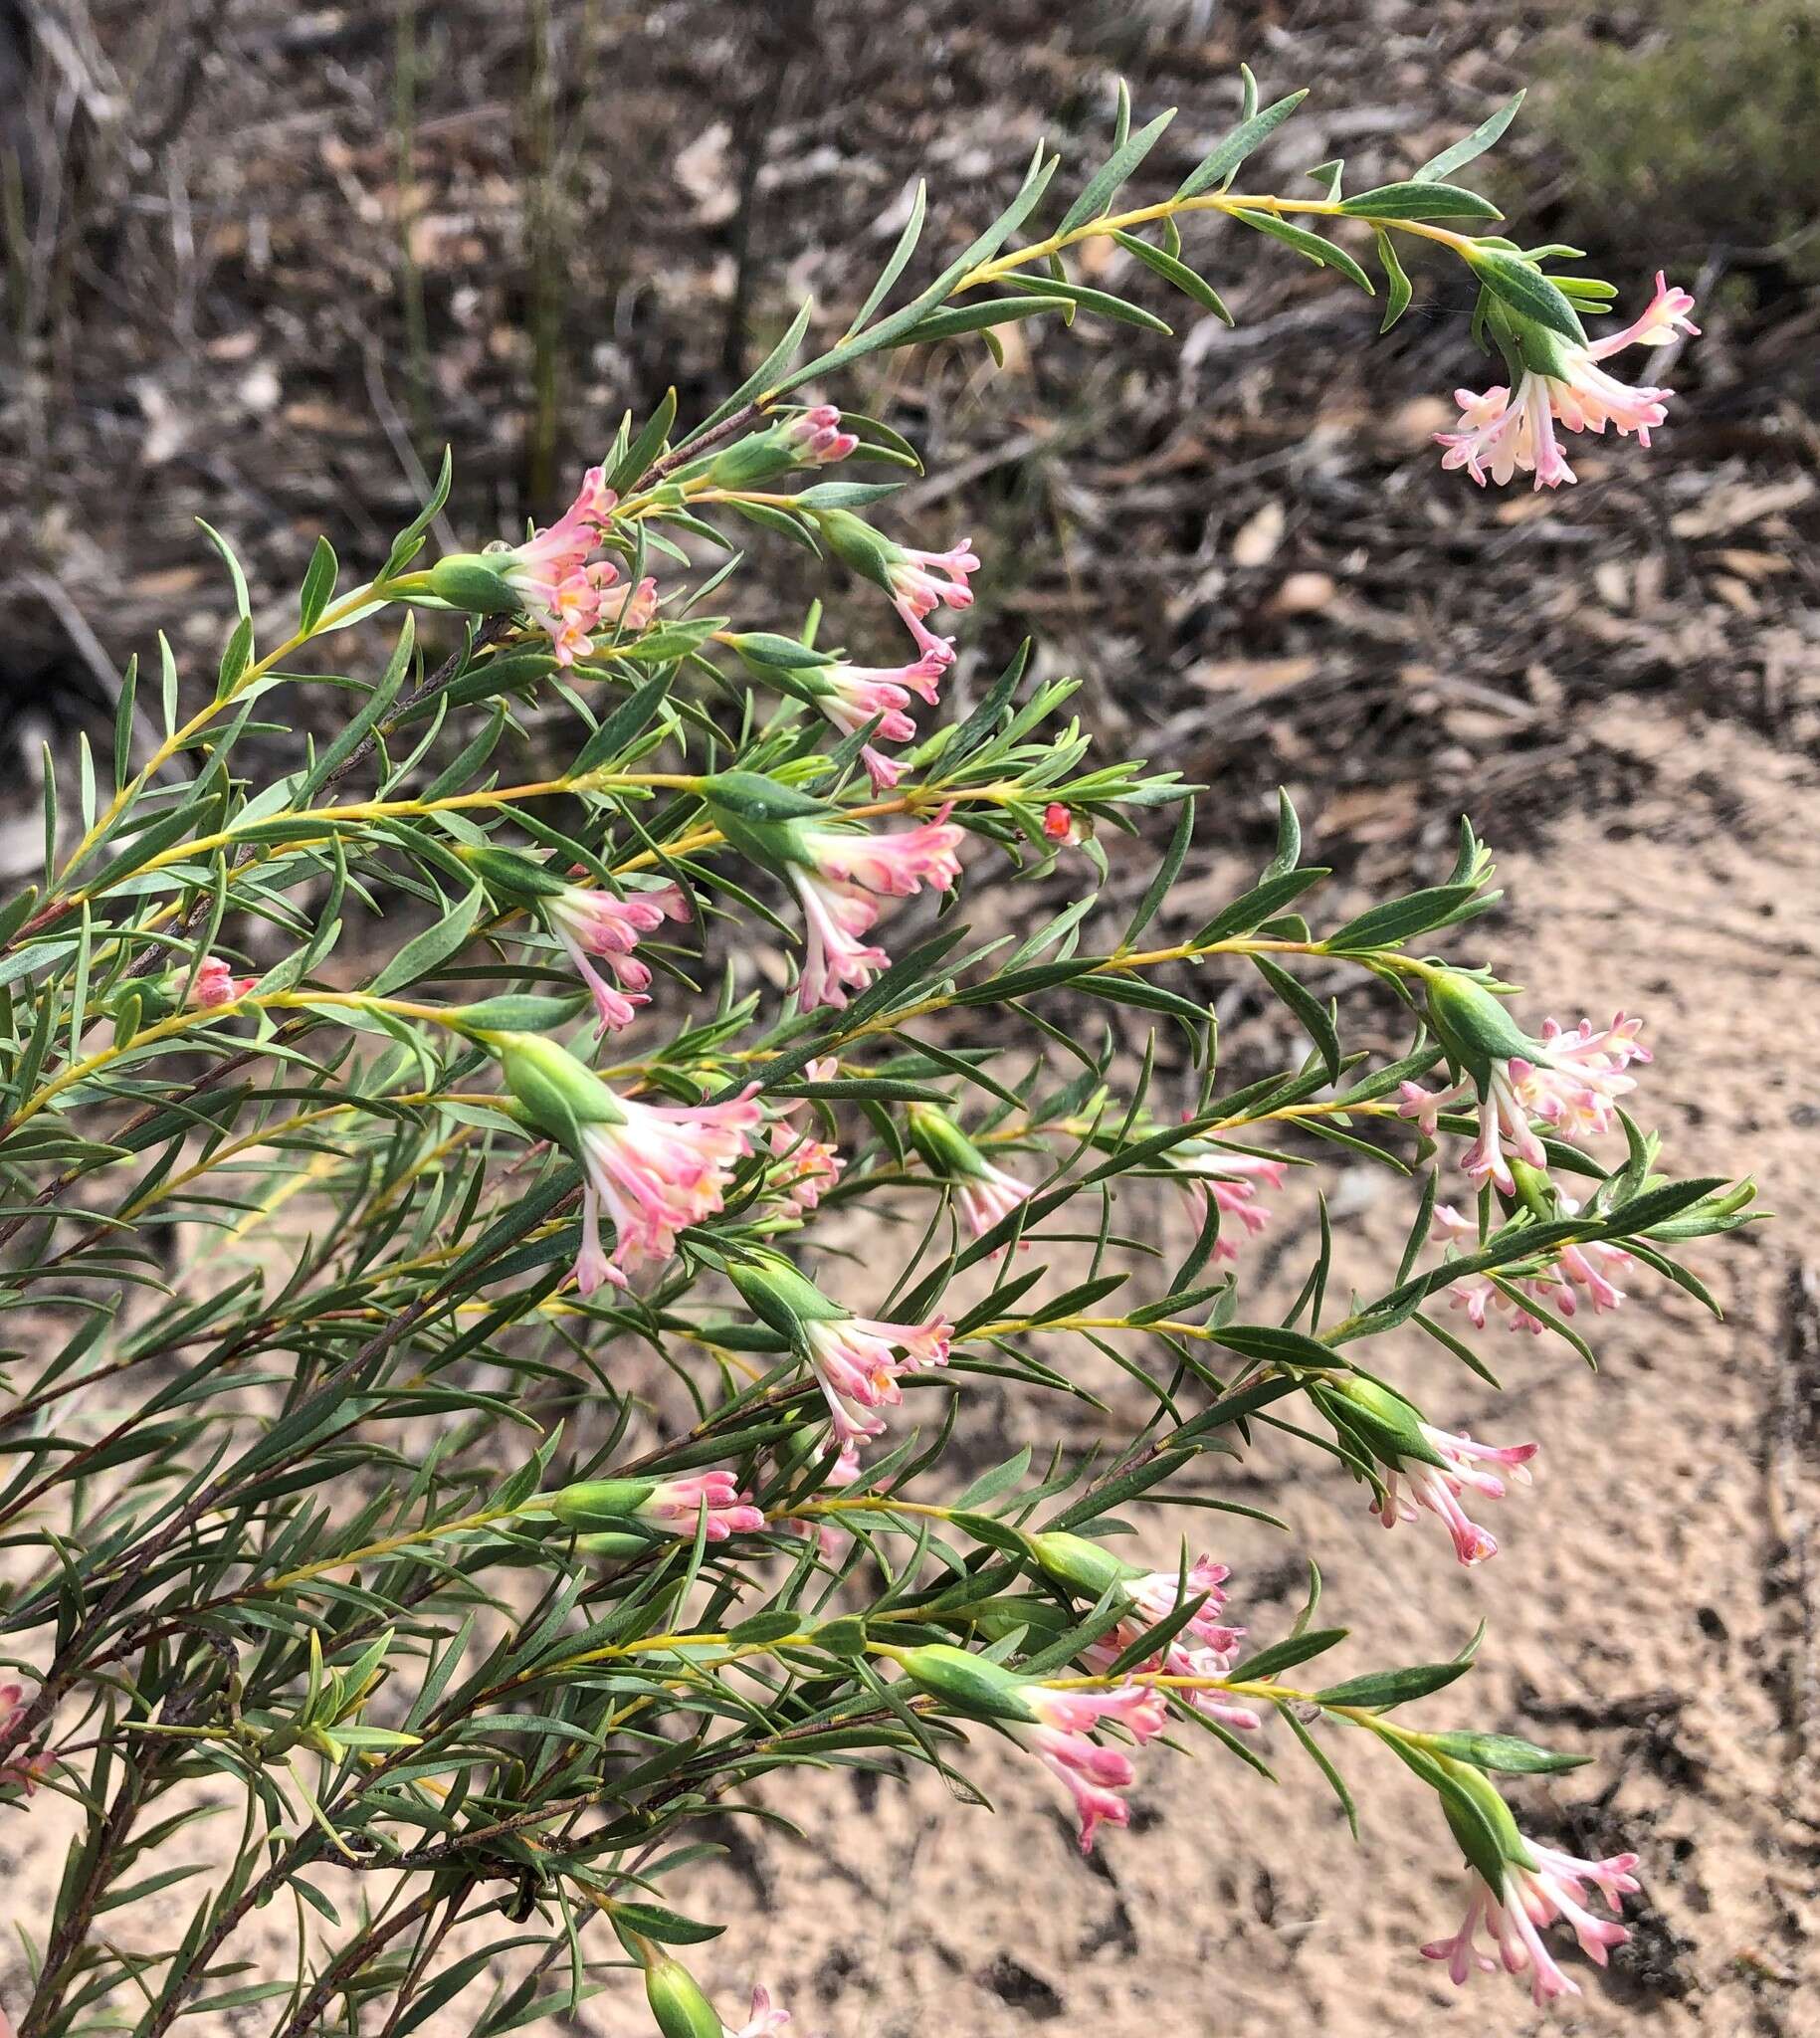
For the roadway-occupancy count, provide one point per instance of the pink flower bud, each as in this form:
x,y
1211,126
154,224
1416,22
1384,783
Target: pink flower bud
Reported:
x,y
215,985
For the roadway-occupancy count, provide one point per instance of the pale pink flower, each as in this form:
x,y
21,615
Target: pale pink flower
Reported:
x,y
1503,432
814,437
1414,1483
676,1505
1573,1085
1554,1886
836,885
553,574
1589,1267
1577,1084
1207,1647
1664,316
924,581
666,1167
766,2021
807,1167
590,921
850,696
855,1363
1503,1123
216,985
1094,1773
26,1770
1233,1180
632,608
985,1199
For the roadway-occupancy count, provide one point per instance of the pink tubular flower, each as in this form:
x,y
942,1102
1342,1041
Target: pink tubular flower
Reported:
x,y
1550,1886
1503,1123
676,1505
855,1367
1207,1647
26,1770
632,608
1414,1483
590,921
561,586
985,1199
1573,1086
1589,1267
814,437
1094,1773
216,985
662,1168
837,873
1061,827
1232,1181
807,1167
1504,432
850,696
921,581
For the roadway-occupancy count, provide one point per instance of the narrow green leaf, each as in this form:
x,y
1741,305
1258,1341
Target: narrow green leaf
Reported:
x,y
1312,245
1462,152
1219,163
1100,189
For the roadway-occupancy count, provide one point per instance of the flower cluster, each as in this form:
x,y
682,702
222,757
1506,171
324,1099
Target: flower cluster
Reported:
x,y
591,921
1511,430
567,589
1420,1468
839,875
711,1500
1571,1081
1205,1647
1095,1773
1587,1267
1232,1182
1537,1886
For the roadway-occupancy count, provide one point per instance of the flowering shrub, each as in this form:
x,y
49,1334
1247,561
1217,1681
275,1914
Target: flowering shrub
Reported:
x,y
342,1481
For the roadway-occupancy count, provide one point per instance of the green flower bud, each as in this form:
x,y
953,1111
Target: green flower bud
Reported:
x,y
767,652
677,2001
1473,1024
947,1149
465,581
1489,1803
1389,1427
756,458
504,870
855,543
1086,1567
757,814
617,1542
595,1503
970,1683
781,1295
559,1095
